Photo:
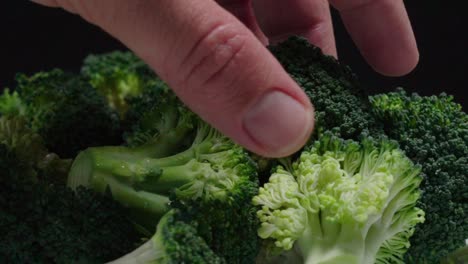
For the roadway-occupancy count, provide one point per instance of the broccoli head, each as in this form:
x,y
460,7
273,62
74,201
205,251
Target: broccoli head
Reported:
x,y
118,75
341,105
342,202
67,112
211,175
176,240
45,222
157,118
34,160
433,131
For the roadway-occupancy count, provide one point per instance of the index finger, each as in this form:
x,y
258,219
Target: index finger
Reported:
x,y
382,31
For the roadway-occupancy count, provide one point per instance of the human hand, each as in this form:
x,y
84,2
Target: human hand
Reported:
x,y
212,53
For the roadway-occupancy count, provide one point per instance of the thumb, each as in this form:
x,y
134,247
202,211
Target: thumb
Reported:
x,y
214,64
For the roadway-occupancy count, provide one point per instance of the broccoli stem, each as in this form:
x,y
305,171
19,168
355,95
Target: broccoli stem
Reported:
x,y
152,251
88,172
324,242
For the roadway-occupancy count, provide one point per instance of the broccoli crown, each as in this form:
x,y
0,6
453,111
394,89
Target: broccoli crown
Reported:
x,y
117,75
43,223
176,241
433,131
158,118
11,104
67,112
34,159
210,175
342,202
341,105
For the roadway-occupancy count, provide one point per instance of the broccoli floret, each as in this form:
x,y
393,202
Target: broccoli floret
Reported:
x,y
214,168
176,241
342,202
341,105
34,159
67,112
433,131
158,118
213,172
118,75
44,222
11,104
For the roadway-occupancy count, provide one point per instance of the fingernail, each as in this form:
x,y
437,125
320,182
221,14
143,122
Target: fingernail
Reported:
x,y
279,123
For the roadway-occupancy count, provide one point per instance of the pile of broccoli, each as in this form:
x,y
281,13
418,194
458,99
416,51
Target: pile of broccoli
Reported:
x,y
108,166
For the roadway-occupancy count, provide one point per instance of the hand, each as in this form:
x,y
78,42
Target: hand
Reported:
x,y
212,53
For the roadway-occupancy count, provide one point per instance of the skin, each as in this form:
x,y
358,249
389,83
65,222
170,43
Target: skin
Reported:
x,y
212,53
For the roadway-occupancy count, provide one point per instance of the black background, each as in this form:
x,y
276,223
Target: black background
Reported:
x,y
36,38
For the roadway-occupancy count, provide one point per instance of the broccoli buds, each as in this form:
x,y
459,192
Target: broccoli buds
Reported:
x,y
342,202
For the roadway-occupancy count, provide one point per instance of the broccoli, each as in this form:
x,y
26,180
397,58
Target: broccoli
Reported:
x,y
118,75
67,112
43,222
34,159
342,201
157,117
176,241
340,102
11,104
433,131
213,172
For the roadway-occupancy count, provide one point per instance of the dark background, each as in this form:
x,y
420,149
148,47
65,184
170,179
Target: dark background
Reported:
x,y
35,38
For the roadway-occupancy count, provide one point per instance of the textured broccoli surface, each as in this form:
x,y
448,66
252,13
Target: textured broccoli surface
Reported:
x,y
342,202
340,103
176,241
45,222
433,131
117,75
33,157
67,112
212,172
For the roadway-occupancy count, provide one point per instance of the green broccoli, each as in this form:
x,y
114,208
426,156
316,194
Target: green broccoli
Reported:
x,y
342,202
34,159
67,112
340,102
11,104
213,172
44,222
176,241
157,117
118,75
433,131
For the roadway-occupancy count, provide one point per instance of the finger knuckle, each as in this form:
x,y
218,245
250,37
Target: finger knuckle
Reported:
x,y
211,64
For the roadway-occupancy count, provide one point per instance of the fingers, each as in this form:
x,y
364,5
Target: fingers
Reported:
x,y
308,18
216,65
242,9
382,31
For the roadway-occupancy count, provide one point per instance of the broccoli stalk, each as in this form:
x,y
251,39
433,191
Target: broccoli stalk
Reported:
x,y
209,169
342,202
